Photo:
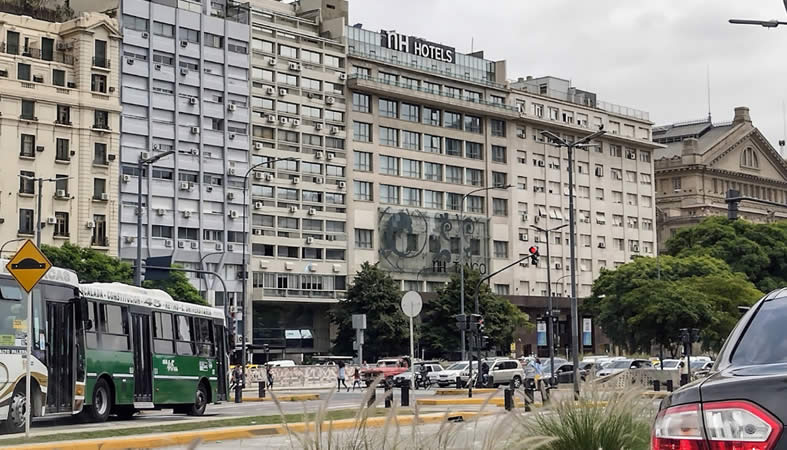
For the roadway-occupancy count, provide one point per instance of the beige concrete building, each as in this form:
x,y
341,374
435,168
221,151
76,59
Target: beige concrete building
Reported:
x,y
59,120
299,208
703,160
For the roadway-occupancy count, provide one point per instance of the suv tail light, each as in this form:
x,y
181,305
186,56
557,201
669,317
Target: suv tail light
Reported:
x,y
729,425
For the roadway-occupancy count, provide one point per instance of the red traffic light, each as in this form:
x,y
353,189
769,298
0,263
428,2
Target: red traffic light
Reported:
x,y
534,250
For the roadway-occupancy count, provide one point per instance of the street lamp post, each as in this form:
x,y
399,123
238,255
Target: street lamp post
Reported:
x,y
582,143
140,168
243,263
462,255
550,335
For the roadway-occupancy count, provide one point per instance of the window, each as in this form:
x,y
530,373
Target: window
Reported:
x,y
185,336
453,174
411,140
498,154
285,78
61,227
259,45
63,115
617,197
411,168
453,147
500,207
498,127
501,249
99,237
333,61
599,193
163,29
62,183
387,108
28,146
433,171
411,196
475,177
452,92
363,238
214,40
25,221
644,156
163,335
676,183
363,72
362,161
23,72
473,96
135,23
101,120
58,77
453,203
431,116
389,136
473,124
749,158
389,165
615,151
189,35
433,199
310,56
389,194
29,110
644,178
336,116
309,83
62,152
521,183
362,132
432,144
473,150
388,78
499,179
27,184
113,327
99,188
452,120
410,112
361,103
100,154
362,190
475,204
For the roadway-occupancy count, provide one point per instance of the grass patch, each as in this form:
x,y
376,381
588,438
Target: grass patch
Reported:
x,y
191,425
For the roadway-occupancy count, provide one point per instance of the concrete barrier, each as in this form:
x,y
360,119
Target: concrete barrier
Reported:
x,y
641,377
300,376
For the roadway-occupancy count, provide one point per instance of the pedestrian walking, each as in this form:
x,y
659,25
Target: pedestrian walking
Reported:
x,y
539,372
341,376
269,375
357,378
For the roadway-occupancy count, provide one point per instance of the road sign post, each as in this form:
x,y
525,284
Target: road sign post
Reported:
x,y
411,305
28,266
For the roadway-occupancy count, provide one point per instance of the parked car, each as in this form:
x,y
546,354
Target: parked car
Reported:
x,y
502,371
387,369
669,364
433,368
448,376
282,363
741,404
624,364
700,369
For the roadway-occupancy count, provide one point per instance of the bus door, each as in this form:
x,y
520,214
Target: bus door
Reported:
x,y
143,365
220,336
60,357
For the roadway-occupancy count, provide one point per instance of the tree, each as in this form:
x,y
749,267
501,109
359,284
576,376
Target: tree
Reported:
x,y
373,292
90,265
636,309
178,286
440,335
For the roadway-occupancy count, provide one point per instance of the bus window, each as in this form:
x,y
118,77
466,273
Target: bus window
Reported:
x,y
92,338
204,335
113,325
185,345
163,341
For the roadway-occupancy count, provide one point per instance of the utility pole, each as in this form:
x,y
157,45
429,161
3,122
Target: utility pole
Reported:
x,y
141,164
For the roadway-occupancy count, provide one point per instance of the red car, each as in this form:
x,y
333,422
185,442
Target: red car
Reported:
x,y
386,369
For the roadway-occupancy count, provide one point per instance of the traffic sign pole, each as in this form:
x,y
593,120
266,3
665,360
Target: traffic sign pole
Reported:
x,y
411,306
29,356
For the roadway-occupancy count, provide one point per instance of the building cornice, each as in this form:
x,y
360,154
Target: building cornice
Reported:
x,y
700,169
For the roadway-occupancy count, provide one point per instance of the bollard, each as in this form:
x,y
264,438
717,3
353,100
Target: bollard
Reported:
x,y
261,389
459,382
669,385
238,393
388,396
372,397
684,379
656,385
406,394
508,394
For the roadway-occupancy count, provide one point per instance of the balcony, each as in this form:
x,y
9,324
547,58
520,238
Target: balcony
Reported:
x,y
101,62
36,53
419,94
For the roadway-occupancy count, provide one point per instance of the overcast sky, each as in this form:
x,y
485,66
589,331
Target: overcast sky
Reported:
x,y
646,54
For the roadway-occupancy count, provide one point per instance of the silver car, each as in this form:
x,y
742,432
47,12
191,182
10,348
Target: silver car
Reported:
x,y
501,371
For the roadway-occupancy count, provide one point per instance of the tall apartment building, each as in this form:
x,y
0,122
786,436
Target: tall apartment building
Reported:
x,y
298,207
703,160
184,68
59,120
431,125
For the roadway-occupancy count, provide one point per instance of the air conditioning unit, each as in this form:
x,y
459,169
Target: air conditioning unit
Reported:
x,y
61,193
184,186
334,130
524,217
144,155
194,151
186,214
259,175
126,178
312,211
296,180
271,118
193,101
233,215
540,163
157,67
128,239
231,171
90,224
558,266
342,185
293,209
231,136
218,246
342,76
184,71
282,92
130,61
184,44
231,107
194,130
257,205
319,126
51,221
168,243
319,180
230,196
635,248
104,196
523,237
602,245
309,240
283,120
181,244
269,90
318,154
294,66
161,211
195,245
272,61
330,237
268,177
144,35
331,156
256,232
258,146
330,100
156,146
296,122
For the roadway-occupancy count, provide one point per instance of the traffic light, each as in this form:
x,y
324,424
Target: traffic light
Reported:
x,y
476,322
157,261
534,255
461,322
485,342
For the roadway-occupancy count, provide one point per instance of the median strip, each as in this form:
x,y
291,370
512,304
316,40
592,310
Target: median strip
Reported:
x,y
284,398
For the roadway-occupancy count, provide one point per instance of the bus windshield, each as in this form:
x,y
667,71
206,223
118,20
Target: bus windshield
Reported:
x,y
12,313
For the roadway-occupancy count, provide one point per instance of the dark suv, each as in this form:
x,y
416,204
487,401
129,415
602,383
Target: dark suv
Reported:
x,y
743,402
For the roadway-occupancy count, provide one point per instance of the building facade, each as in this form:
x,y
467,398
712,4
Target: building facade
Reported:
x,y
299,207
703,160
60,121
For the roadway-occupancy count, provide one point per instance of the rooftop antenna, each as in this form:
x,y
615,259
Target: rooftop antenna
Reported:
x,y
708,83
472,44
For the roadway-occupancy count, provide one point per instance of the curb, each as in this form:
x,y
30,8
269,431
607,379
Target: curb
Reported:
x,y
284,398
234,433
496,401
464,391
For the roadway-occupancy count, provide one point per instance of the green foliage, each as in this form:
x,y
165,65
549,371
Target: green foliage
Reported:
x,y
178,286
90,265
374,293
440,336
637,309
757,250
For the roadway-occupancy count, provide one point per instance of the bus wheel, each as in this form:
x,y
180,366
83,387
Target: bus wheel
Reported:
x,y
102,402
200,401
15,422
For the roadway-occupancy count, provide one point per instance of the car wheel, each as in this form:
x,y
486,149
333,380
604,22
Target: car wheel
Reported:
x,y
517,382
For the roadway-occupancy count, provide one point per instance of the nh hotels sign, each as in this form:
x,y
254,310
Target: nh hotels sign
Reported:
x,y
417,46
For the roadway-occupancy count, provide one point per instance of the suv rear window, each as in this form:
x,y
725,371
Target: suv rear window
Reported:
x,y
765,338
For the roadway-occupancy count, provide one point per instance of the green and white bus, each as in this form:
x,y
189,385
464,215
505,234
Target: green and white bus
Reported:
x,y
107,348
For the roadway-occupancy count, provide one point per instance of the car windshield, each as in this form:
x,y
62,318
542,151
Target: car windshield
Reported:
x,y
671,363
457,366
12,313
698,364
621,364
765,338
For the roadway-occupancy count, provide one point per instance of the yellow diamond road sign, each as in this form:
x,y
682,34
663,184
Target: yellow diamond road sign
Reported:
x,y
28,266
